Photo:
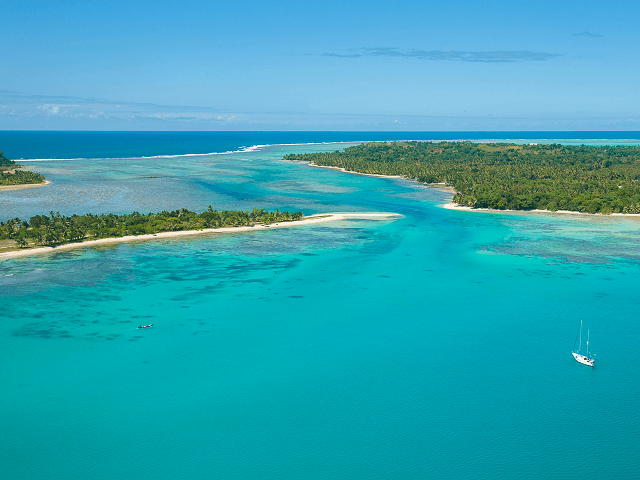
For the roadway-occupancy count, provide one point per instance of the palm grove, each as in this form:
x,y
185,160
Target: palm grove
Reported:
x,y
55,229
506,176
10,173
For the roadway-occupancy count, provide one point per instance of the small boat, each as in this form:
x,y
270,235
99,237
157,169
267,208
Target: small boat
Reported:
x,y
580,357
146,326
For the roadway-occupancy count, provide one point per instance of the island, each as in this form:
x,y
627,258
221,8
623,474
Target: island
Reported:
x,y
501,176
12,177
48,233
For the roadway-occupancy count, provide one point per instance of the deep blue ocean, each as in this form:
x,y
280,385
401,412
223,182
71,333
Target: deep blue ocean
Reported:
x,y
69,144
437,345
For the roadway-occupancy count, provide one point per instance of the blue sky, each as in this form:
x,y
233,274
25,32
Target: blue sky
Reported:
x,y
245,65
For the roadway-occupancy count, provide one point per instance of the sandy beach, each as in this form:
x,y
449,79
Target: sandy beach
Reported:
x,y
310,220
340,169
441,186
455,206
22,187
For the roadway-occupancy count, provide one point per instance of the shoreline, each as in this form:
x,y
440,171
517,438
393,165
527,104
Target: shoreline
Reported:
x,y
463,208
312,219
565,140
440,186
24,186
250,149
340,169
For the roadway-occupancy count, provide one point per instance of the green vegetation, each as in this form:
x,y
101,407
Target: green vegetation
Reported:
x,y
20,177
11,175
506,176
56,229
5,162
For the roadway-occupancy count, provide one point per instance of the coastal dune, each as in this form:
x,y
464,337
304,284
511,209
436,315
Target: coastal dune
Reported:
x,y
310,220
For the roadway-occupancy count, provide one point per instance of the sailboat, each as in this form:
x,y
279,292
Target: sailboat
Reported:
x,y
580,357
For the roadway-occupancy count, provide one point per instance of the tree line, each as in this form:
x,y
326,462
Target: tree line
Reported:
x,y
5,162
11,175
506,176
55,229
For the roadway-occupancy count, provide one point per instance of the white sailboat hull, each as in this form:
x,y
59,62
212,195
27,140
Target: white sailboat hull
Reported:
x,y
582,359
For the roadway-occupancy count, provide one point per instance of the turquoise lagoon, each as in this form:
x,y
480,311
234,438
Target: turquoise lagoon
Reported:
x,y
437,345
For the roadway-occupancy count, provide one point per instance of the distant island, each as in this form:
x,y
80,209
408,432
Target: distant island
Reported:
x,y
11,175
502,176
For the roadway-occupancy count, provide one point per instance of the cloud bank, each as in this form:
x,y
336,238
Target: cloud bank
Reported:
x,y
586,34
40,112
498,56
19,110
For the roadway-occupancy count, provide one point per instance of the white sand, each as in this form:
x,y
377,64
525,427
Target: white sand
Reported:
x,y
320,218
340,169
441,186
455,206
26,185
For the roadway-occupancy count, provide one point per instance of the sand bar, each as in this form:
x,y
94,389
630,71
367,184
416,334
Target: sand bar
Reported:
x,y
26,185
310,220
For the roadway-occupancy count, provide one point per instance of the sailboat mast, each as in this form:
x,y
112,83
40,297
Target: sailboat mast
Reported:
x,y
587,342
580,347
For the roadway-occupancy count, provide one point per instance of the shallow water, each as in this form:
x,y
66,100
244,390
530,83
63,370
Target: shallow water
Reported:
x,y
437,345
